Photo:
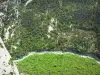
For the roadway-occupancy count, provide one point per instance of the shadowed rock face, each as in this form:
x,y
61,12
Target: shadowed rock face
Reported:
x,y
3,4
98,55
3,0
3,11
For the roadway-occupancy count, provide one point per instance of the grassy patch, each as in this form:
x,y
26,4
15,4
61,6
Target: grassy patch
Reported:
x,y
58,64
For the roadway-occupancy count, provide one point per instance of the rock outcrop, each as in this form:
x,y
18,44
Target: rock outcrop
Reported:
x,y
5,66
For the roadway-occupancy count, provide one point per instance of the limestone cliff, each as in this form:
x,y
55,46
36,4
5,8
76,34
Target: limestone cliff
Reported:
x,y
8,20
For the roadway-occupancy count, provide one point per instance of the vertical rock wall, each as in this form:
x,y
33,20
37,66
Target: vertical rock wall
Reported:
x,y
5,16
5,66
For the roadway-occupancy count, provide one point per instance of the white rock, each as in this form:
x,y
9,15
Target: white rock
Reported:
x,y
27,2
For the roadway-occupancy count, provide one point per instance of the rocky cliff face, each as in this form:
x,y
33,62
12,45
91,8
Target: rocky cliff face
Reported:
x,y
8,23
6,65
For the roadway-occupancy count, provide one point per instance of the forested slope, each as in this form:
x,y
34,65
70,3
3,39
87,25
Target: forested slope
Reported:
x,y
54,25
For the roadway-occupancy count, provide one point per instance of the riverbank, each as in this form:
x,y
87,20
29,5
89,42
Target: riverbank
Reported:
x,y
59,52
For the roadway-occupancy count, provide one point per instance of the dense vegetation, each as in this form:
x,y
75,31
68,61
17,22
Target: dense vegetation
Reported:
x,y
58,64
74,24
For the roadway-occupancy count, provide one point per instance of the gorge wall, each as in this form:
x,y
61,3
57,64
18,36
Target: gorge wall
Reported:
x,y
8,22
